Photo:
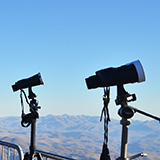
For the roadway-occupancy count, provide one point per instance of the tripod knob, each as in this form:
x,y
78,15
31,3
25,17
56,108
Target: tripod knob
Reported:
x,y
126,112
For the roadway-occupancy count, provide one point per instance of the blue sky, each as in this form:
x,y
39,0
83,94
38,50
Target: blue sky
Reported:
x,y
67,41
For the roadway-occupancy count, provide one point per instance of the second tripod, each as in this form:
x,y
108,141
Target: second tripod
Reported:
x,y
28,119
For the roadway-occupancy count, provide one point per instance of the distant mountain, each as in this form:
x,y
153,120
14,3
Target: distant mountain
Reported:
x,y
81,137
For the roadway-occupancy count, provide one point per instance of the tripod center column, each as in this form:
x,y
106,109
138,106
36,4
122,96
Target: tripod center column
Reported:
x,y
125,125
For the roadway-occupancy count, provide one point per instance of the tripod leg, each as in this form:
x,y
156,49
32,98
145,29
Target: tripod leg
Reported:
x,y
26,156
138,155
39,156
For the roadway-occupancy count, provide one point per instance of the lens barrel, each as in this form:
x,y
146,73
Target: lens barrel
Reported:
x,y
29,82
129,73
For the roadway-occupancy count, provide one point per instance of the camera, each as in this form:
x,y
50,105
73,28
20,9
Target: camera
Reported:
x,y
28,82
129,73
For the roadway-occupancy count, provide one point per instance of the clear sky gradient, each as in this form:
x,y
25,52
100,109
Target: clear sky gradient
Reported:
x,y
67,41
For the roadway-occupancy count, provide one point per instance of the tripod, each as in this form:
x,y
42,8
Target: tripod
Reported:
x,y
28,119
127,112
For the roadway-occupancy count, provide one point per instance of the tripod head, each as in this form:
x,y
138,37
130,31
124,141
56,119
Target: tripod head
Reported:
x,y
126,111
123,98
33,106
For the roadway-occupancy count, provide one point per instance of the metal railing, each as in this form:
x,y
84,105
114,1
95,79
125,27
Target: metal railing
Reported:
x,y
47,156
10,151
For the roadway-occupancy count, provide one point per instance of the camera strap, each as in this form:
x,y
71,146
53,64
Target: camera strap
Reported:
x,y
22,105
26,118
21,97
105,111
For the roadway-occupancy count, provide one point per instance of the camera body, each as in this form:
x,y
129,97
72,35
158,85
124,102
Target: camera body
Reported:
x,y
28,82
129,73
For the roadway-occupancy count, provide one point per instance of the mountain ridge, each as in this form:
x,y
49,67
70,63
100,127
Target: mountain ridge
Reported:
x,y
81,136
